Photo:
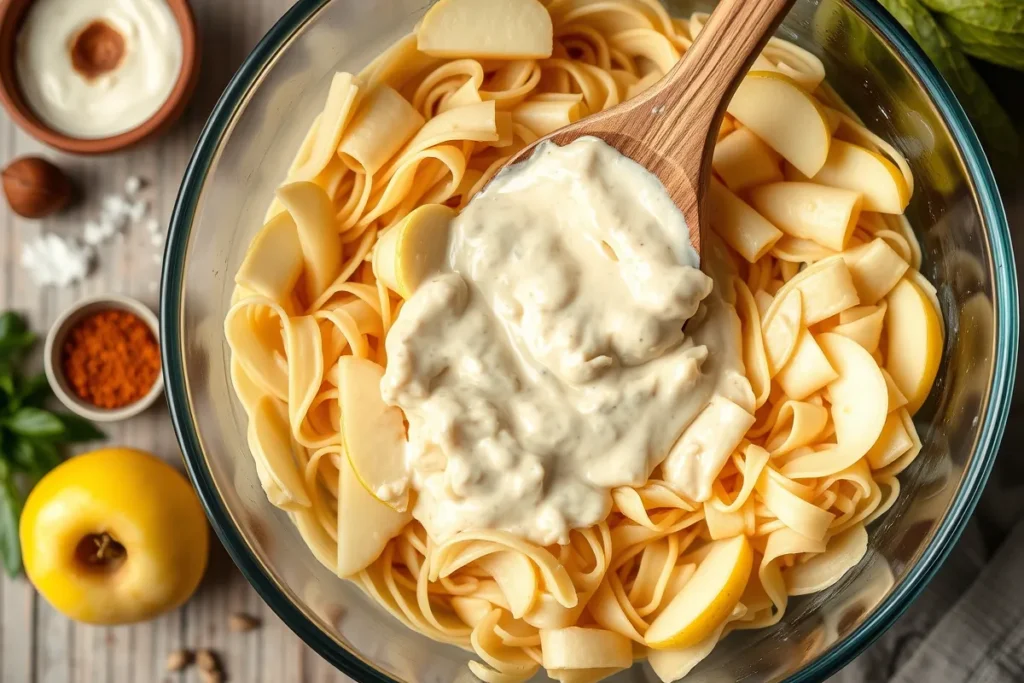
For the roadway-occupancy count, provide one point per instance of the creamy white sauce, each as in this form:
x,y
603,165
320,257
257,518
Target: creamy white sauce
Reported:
x,y
115,101
550,364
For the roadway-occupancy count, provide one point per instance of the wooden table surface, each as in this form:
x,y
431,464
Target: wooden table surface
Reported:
x,y
37,644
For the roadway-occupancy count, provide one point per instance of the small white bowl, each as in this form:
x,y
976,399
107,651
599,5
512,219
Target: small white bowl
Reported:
x,y
55,367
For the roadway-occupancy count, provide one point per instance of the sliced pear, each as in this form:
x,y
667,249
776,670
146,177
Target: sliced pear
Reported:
x,y
784,116
413,250
373,432
707,599
880,181
492,29
914,342
365,525
273,264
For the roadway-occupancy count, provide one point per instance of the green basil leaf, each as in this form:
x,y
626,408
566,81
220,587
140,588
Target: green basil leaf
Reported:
x,y
45,456
78,430
994,126
10,512
16,343
30,421
34,391
23,456
995,15
11,324
7,384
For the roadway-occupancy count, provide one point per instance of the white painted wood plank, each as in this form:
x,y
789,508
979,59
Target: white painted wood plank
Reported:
x,y
17,630
37,644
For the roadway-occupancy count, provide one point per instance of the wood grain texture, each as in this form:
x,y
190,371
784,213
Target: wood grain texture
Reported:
x,y
38,645
671,128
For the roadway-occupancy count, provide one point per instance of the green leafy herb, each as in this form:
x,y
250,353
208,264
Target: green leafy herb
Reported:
x,y
993,124
34,422
33,392
999,47
995,15
14,335
10,512
31,437
77,429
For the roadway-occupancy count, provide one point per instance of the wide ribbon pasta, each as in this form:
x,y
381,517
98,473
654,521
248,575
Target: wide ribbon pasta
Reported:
x,y
812,266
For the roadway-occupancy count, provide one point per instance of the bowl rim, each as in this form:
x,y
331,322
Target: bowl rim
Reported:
x,y
944,538
11,14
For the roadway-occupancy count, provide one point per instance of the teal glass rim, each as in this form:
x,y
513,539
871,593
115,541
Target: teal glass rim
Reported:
x,y
885,614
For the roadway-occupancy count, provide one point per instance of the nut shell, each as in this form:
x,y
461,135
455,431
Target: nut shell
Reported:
x,y
35,188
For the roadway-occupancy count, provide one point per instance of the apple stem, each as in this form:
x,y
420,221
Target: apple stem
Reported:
x,y
107,548
101,552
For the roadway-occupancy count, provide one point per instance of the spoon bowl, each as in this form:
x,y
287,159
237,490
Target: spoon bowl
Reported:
x,y
671,128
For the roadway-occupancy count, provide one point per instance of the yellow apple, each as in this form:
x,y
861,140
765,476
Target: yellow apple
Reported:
x,y
914,342
707,599
113,537
784,116
413,250
493,29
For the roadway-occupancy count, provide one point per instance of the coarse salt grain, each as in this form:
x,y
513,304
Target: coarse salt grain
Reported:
x,y
138,210
45,256
54,260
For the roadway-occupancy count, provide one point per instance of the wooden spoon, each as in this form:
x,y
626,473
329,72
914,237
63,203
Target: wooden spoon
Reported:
x,y
671,128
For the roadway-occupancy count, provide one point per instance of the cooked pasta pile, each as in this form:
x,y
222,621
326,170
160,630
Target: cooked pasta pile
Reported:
x,y
840,338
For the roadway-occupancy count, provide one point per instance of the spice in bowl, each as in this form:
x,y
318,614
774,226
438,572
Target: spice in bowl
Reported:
x,y
96,68
110,359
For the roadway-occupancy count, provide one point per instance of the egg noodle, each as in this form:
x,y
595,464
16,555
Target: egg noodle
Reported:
x,y
834,385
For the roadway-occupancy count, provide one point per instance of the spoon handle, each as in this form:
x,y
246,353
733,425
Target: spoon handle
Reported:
x,y
702,83
697,91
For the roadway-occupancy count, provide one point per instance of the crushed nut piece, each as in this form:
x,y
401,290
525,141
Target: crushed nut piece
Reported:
x,y
178,660
207,661
215,676
240,622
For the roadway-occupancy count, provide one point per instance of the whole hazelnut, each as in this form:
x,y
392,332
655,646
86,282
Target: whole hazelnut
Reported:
x,y
35,188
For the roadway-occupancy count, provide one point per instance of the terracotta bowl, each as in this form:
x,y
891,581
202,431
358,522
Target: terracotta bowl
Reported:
x,y
12,13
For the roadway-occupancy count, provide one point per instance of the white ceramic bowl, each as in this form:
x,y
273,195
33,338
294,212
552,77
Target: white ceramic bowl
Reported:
x,y
55,368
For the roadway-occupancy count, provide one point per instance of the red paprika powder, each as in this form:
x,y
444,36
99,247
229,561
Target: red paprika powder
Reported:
x,y
111,359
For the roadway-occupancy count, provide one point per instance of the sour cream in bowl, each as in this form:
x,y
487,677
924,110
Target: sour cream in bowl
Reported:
x,y
92,76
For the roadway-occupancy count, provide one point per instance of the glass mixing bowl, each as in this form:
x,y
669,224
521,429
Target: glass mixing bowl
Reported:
x,y
242,155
